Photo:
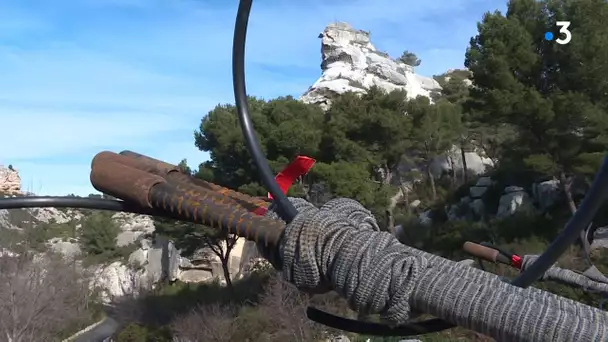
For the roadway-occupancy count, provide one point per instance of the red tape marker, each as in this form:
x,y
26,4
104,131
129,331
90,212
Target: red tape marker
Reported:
x,y
516,261
297,168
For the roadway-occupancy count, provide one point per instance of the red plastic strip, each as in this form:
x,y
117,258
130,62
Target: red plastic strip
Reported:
x,y
516,261
298,167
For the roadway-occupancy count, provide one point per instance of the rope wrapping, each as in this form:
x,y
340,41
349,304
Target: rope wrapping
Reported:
x,y
366,266
569,277
340,247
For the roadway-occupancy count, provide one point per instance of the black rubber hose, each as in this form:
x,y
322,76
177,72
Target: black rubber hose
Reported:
x,y
73,202
377,329
284,208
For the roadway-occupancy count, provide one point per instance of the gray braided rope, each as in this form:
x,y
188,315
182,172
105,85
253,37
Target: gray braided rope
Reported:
x,y
568,277
339,246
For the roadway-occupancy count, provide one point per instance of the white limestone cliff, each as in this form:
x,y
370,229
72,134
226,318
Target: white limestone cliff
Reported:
x,y
351,63
10,181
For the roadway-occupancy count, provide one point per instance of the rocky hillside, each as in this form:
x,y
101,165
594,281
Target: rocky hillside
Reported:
x,y
140,258
350,62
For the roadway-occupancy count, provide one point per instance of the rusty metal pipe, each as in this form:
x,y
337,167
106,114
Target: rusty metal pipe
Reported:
x,y
183,202
124,182
173,175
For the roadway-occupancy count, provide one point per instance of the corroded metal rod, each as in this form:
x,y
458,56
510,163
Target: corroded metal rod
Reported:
x,y
183,201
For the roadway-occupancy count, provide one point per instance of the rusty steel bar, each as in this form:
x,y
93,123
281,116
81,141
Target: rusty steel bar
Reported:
x,y
183,202
173,175
208,211
124,182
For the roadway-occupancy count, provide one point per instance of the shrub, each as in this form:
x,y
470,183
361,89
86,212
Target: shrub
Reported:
x,y
140,333
98,233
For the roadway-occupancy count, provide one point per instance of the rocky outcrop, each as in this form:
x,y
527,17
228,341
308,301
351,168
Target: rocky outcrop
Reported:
x,y
350,62
463,75
546,193
10,181
156,260
133,228
512,199
600,238
452,160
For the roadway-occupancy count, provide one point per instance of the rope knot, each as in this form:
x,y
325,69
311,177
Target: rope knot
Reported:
x,y
340,247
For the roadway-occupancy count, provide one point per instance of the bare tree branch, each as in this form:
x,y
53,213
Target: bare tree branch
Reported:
x,y
40,297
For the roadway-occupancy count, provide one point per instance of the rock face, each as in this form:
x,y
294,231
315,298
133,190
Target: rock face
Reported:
x,y
10,182
452,160
351,63
512,200
158,259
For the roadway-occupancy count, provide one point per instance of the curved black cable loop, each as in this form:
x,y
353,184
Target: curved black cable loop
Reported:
x,y
504,253
500,250
377,329
284,208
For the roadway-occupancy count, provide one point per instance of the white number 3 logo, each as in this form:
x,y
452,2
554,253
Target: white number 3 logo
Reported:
x,y
563,25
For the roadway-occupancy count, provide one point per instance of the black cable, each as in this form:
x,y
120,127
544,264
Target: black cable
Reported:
x,y
507,257
377,329
284,208
74,202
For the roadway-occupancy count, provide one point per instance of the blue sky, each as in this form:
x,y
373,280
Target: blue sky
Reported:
x,y
81,76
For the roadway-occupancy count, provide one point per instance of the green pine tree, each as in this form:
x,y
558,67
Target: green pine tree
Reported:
x,y
553,95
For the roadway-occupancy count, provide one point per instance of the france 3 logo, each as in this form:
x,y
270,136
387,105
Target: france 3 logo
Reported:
x,y
564,35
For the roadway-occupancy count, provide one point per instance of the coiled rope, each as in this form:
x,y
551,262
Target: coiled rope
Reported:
x,y
339,246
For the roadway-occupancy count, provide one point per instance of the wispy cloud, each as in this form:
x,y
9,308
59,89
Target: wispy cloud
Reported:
x,y
82,76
